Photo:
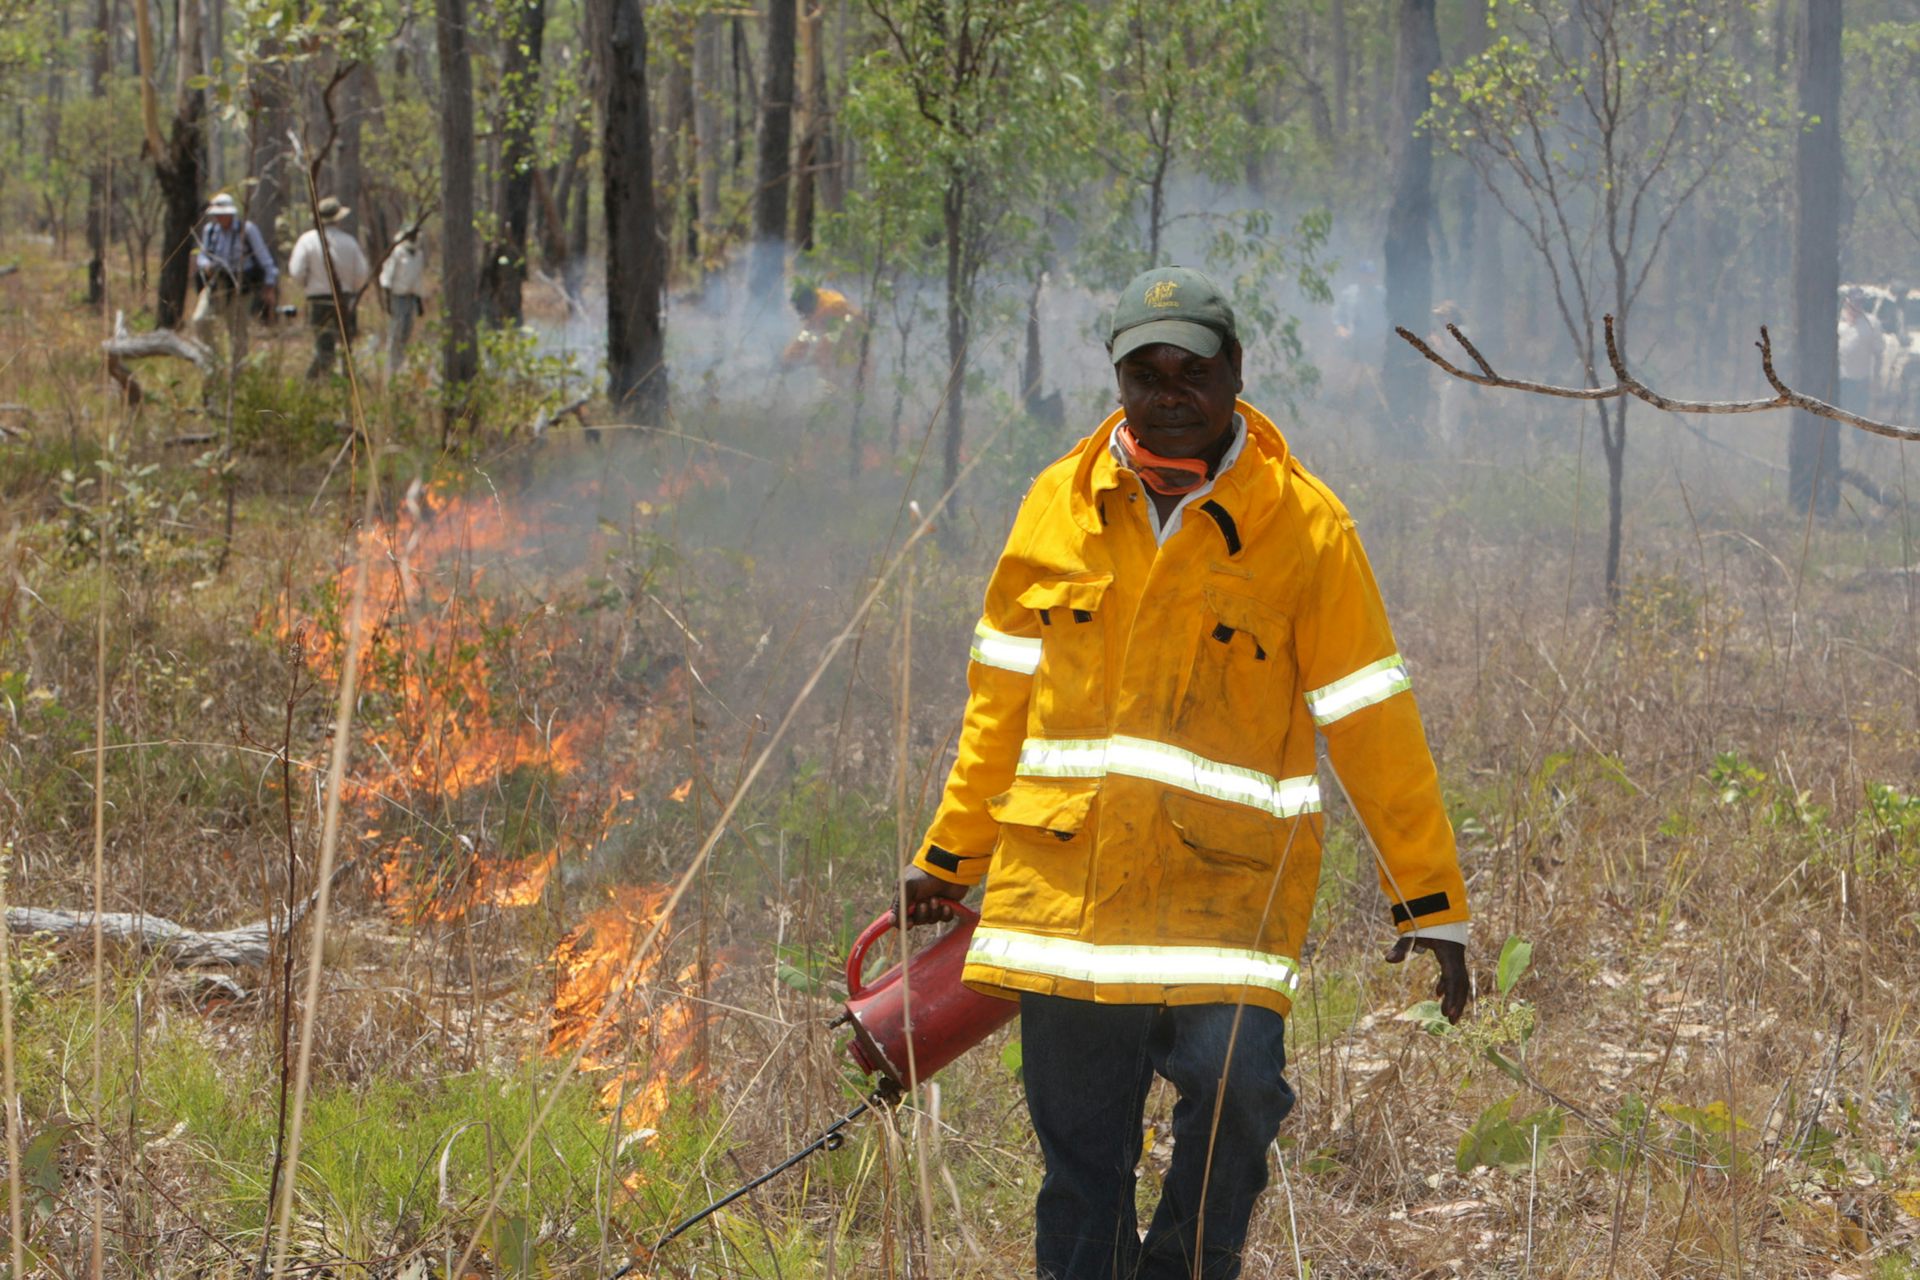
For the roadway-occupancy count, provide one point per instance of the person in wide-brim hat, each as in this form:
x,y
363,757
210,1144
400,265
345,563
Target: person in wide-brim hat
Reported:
x,y
331,275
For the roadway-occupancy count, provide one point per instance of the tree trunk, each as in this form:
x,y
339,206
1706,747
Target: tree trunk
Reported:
x,y
1342,67
676,174
505,272
746,93
579,228
1409,253
1492,293
213,44
272,182
565,242
350,106
636,255
1813,449
99,209
959,302
812,132
179,169
707,91
459,352
1613,443
776,141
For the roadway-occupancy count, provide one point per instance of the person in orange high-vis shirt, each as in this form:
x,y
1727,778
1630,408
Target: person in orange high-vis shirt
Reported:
x,y
829,337
1180,608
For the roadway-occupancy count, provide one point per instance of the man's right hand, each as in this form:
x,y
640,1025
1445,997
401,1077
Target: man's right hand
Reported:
x,y
927,898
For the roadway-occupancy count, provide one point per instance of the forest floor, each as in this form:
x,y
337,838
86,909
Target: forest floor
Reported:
x,y
1691,828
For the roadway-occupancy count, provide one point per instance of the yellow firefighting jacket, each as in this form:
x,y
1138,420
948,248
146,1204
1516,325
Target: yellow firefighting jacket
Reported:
x,y
1136,776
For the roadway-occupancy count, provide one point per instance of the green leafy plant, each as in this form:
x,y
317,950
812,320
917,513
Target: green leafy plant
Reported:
x,y
1501,1140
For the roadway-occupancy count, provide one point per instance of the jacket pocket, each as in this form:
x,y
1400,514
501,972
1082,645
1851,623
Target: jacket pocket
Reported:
x,y
1221,833
1042,863
1236,696
1070,687
1222,859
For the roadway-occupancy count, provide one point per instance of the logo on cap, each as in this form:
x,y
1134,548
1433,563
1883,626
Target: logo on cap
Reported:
x,y
1161,294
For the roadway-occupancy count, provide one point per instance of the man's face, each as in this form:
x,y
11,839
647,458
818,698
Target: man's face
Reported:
x,y
225,220
1179,405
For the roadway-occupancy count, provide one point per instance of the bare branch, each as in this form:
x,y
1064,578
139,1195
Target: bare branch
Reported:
x,y
1492,379
1785,397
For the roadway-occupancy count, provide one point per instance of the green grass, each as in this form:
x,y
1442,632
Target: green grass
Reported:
x,y
386,1164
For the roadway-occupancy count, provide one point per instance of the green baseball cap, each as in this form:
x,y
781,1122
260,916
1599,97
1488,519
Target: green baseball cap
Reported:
x,y
1176,305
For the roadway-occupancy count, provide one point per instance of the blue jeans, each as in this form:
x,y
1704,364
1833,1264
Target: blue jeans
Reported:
x,y
1087,1069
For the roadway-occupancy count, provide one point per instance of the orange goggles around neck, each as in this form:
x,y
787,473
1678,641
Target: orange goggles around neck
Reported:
x,y
1170,477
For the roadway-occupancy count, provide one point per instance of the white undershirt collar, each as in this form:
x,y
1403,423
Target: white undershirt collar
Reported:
x,y
1164,530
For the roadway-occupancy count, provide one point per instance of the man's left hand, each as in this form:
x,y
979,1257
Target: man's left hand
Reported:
x,y
1454,987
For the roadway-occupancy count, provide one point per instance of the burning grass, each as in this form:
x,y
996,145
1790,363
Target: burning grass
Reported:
x,y
1702,818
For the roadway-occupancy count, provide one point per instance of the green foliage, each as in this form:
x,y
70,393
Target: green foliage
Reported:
x,y
1734,779
1501,1140
1878,127
1616,1152
132,509
518,383
1706,1134
970,118
1890,823
1596,138
1515,956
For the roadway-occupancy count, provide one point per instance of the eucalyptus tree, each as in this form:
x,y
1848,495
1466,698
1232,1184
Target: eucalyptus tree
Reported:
x,y
961,114
1409,250
776,140
1592,130
179,160
99,208
636,253
1178,124
1178,105
1813,448
459,340
522,24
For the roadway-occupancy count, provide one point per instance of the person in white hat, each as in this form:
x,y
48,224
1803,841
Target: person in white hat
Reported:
x,y
308,268
402,276
235,269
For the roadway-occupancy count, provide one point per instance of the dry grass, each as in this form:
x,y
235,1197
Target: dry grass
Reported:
x,y
1683,811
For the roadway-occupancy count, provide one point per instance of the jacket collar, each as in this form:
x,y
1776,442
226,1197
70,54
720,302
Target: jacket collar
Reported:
x,y
1246,488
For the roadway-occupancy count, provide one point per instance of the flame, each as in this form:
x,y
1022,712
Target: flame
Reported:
x,y
488,756
475,775
680,793
595,964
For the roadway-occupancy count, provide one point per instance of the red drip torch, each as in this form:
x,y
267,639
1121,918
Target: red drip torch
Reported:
x,y
946,1020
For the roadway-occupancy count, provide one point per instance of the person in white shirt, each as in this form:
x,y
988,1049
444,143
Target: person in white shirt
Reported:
x,y
401,277
1861,346
308,269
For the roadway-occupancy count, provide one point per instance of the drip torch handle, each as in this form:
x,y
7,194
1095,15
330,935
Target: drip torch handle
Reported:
x,y
882,924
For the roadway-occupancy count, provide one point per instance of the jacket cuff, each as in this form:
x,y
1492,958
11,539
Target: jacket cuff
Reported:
x,y
1428,911
954,868
1455,932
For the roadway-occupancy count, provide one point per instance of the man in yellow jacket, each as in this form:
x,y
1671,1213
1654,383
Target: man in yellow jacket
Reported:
x,y
1180,608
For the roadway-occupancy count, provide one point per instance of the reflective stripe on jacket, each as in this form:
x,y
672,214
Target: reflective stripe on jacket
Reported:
x,y
1136,773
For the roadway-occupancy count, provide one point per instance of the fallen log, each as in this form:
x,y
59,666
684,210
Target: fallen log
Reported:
x,y
245,947
124,346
